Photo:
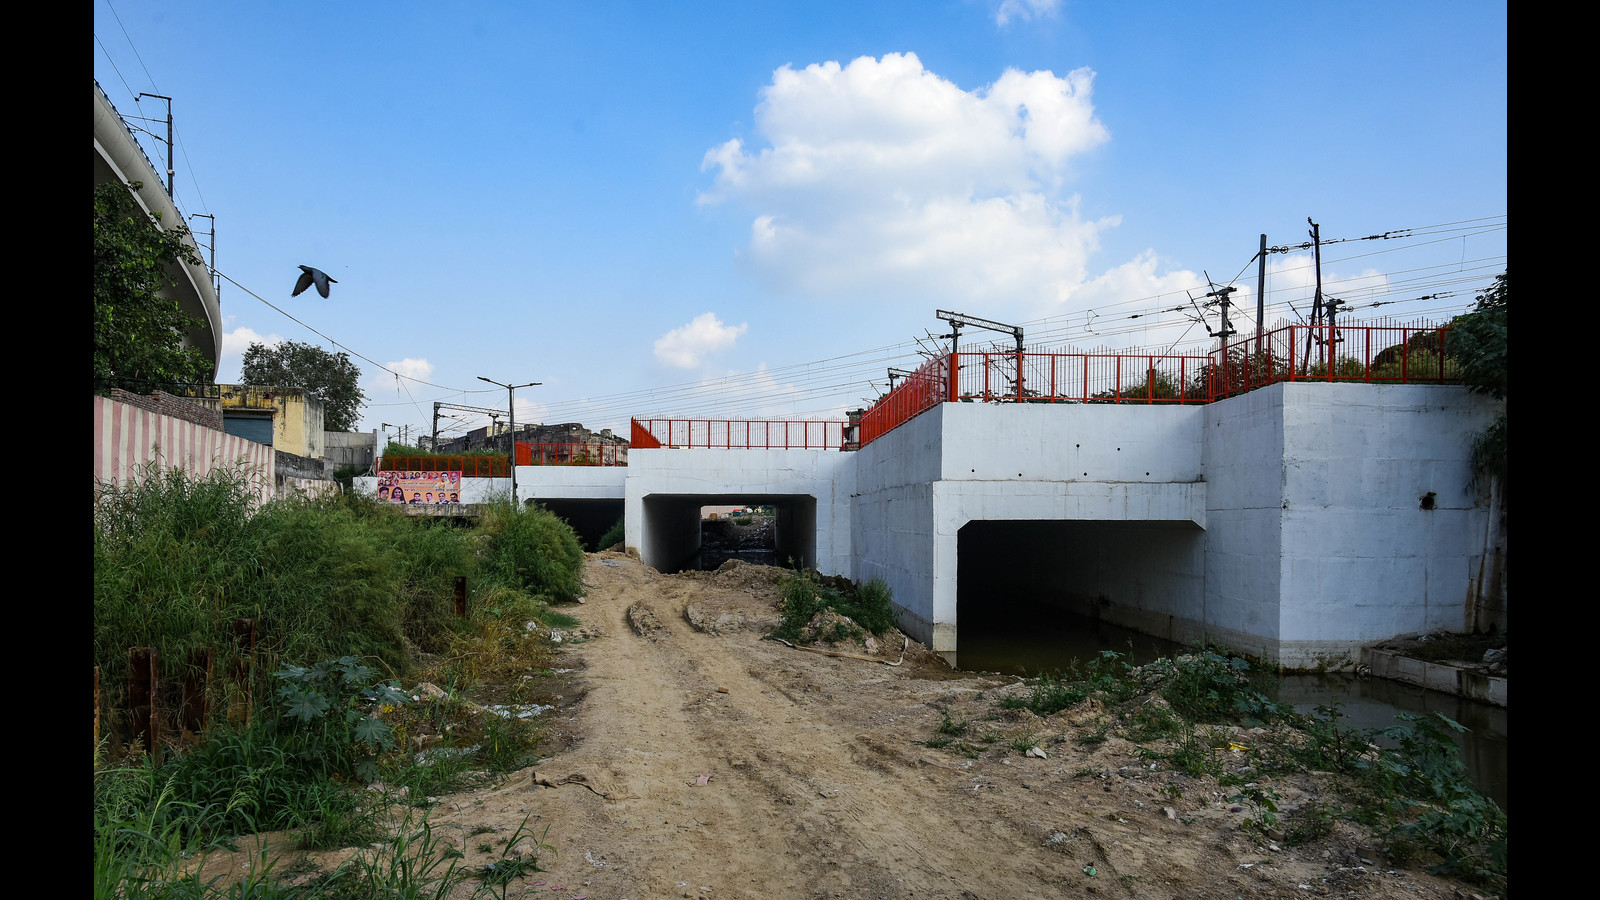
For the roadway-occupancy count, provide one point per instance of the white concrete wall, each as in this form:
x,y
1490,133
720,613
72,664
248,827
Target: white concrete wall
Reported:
x,y
708,477
1243,461
572,482
1361,560
891,526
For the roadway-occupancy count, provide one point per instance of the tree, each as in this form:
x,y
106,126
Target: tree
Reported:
x,y
138,334
331,376
1478,342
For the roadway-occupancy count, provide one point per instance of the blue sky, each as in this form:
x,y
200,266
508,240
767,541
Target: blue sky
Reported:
x,y
746,210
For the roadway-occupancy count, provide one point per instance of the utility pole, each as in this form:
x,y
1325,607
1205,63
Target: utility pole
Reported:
x,y
216,283
957,320
512,406
1261,291
1316,306
169,138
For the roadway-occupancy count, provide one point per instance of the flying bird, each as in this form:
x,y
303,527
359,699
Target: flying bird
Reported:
x,y
310,276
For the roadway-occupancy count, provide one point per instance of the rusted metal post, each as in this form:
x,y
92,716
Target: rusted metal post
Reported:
x,y
461,596
143,699
195,709
242,670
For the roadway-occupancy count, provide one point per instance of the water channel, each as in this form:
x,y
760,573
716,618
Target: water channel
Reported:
x,y
1047,639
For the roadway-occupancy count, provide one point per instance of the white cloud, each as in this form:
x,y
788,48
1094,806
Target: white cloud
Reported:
x,y
688,347
1026,10
882,177
382,386
230,365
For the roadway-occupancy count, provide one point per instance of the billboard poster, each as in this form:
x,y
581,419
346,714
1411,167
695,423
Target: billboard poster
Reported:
x,y
420,488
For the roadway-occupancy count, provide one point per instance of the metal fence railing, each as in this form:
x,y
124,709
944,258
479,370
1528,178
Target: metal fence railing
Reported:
x,y
752,434
922,390
1371,354
468,466
592,453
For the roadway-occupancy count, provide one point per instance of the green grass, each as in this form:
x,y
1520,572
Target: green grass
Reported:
x,y
805,593
178,560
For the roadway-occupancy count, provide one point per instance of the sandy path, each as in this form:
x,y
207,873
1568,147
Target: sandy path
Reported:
x,y
818,786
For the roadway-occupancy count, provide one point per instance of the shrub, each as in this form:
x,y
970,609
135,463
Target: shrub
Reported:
x,y
614,535
534,551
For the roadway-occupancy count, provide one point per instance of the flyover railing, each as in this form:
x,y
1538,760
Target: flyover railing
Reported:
x,y
751,434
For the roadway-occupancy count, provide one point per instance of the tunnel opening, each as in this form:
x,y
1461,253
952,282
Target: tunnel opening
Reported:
x,y
680,533
590,519
1036,596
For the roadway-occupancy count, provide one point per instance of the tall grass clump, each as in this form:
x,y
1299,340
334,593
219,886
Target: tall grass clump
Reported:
x,y
806,593
179,559
533,551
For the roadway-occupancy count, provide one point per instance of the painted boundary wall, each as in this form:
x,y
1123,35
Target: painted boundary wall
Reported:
x,y
128,438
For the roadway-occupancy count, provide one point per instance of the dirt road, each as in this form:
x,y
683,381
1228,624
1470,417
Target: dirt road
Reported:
x,y
706,762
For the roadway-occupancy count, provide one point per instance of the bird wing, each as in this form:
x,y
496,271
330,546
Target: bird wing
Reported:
x,y
304,282
322,282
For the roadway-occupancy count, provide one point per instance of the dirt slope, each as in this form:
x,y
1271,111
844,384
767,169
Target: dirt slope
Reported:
x,y
710,763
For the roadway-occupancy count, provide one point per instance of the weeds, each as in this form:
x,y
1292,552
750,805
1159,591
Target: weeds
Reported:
x,y
805,594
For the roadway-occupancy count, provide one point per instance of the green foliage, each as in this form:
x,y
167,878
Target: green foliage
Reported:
x,y
1433,804
508,744
1204,686
331,376
1264,804
534,551
1195,758
395,448
138,334
805,593
326,716
1049,694
614,535
1478,339
1309,823
178,559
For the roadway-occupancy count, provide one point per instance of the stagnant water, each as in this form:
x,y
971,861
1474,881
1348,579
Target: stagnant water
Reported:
x,y
1046,639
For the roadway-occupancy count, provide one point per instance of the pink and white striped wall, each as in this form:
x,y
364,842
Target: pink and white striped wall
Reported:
x,y
128,438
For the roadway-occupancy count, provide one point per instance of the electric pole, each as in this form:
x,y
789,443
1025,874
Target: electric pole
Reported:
x,y
957,320
169,138
1316,306
216,283
1261,291
512,406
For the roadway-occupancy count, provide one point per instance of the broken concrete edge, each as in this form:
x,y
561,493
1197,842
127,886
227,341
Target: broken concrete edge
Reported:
x,y
1435,676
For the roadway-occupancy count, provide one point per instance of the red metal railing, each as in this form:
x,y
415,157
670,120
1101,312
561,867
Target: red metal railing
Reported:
x,y
922,390
468,466
753,434
1372,354
1102,377
592,453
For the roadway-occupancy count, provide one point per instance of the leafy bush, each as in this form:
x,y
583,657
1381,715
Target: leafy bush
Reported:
x,y
1432,803
534,551
805,593
1204,686
614,535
